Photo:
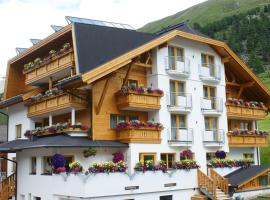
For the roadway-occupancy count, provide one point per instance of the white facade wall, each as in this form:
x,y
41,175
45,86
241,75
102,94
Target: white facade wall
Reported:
x,y
237,153
99,186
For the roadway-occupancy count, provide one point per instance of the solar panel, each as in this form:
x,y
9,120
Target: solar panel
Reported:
x,y
20,50
56,28
71,19
35,41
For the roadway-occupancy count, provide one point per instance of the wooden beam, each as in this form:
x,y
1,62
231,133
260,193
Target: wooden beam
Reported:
x,y
240,92
143,65
225,59
32,93
165,44
244,85
50,83
105,88
127,75
149,58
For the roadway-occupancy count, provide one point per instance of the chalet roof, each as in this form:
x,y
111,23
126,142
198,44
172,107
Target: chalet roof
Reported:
x,y
59,141
13,100
242,175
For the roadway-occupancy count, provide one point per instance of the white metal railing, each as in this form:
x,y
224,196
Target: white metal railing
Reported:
x,y
180,100
181,135
213,136
212,104
209,71
177,64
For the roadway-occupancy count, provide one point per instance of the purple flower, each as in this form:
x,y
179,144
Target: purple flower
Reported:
x,y
117,157
58,161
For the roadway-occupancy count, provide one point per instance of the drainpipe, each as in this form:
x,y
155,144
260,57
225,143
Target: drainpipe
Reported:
x,y
16,173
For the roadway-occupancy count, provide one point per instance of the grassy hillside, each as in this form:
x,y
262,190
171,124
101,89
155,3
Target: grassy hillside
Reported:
x,y
206,12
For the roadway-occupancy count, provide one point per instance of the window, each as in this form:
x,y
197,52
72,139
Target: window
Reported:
x,y
33,165
211,123
176,54
133,83
168,197
177,86
209,92
263,180
210,155
168,158
37,198
13,168
147,157
178,122
132,118
69,159
248,155
113,120
207,60
18,131
47,167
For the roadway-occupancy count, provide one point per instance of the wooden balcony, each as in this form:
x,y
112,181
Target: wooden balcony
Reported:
x,y
247,140
58,67
245,112
137,101
57,104
139,135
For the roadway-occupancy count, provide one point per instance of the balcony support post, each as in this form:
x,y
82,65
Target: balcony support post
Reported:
x,y
73,116
50,83
50,120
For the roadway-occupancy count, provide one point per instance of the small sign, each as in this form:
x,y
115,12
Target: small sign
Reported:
x,y
132,188
169,184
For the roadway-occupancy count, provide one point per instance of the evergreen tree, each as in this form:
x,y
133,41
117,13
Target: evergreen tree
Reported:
x,y
255,63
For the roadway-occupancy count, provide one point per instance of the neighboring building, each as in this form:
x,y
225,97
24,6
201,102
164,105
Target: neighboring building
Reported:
x,y
107,75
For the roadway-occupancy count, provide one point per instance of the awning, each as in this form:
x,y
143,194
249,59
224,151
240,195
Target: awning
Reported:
x,y
58,141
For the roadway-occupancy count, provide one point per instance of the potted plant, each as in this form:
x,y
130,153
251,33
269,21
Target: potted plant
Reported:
x,y
89,152
75,167
65,47
186,155
58,163
118,157
52,53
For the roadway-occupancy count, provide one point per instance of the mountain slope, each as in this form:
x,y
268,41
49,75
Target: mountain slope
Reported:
x,y
206,12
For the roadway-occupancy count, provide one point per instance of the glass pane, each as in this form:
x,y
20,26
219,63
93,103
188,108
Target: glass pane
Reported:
x,y
263,180
181,87
214,123
182,121
163,157
148,158
132,118
113,121
203,57
121,118
170,160
205,92
207,123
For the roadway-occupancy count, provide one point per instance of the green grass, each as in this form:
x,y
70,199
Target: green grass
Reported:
x,y
204,13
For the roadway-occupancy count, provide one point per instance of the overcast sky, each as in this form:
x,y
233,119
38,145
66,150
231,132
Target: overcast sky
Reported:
x,y
24,19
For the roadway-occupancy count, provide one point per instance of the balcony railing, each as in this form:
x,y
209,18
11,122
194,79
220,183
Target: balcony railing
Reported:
x,y
210,72
138,101
245,140
179,101
245,112
180,136
177,65
53,67
213,137
211,105
139,135
57,103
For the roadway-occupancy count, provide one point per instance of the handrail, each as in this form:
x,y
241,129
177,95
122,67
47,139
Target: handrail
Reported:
x,y
7,187
220,181
206,182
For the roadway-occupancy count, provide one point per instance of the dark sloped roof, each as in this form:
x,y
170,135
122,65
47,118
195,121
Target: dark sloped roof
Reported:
x,y
181,27
244,174
11,101
59,141
98,44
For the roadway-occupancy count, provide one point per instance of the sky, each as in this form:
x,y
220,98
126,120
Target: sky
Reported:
x,y
24,19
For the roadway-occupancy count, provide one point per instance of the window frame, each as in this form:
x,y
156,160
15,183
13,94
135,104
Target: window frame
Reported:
x,y
141,156
33,166
129,82
18,128
207,59
43,166
175,48
211,118
167,158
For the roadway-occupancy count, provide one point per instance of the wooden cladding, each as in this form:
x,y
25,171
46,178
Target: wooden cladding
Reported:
x,y
247,140
137,101
139,135
8,187
56,64
245,112
57,103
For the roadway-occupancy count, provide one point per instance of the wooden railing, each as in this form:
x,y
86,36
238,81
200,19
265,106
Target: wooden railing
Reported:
x,y
247,140
139,135
220,182
137,101
7,187
206,183
56,103
49,68
245,112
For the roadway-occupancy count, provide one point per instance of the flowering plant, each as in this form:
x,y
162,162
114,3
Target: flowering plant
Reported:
x,y
186,154
220,154
108,167
141,90
58,163
221,163
237,131
186,164
89,152
138,124
118,156
52,52
75,167
241,102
